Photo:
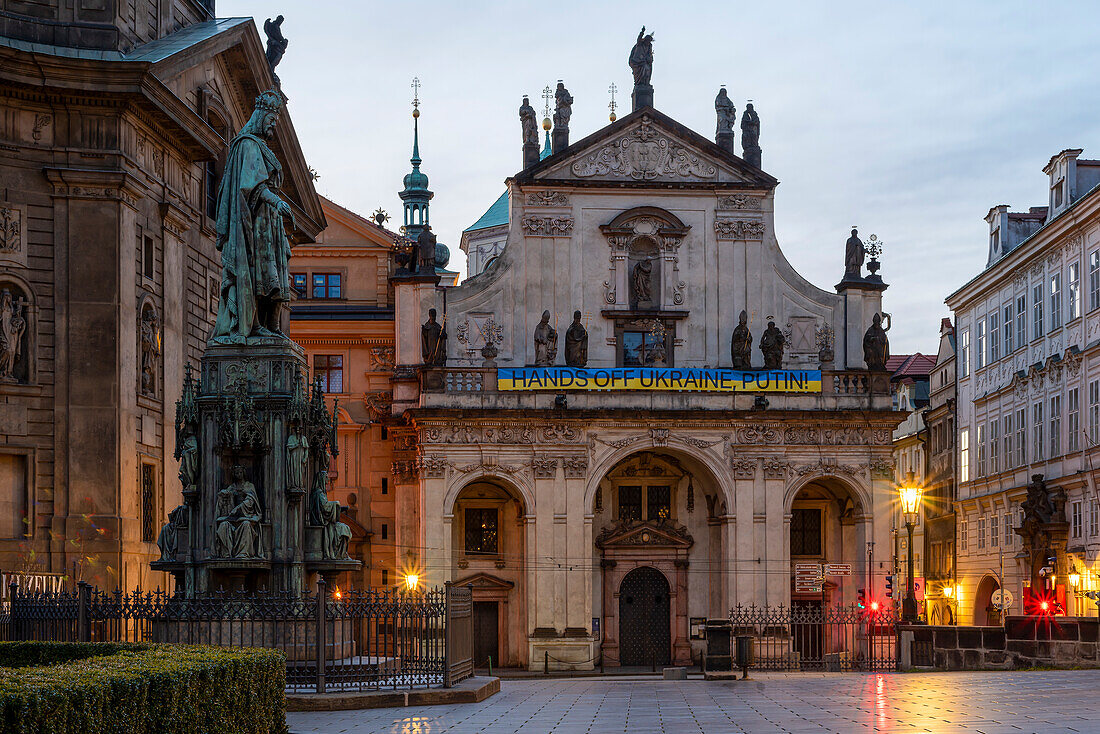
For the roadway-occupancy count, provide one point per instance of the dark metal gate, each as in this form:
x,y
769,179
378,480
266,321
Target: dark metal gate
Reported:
x,y
815,637
644,629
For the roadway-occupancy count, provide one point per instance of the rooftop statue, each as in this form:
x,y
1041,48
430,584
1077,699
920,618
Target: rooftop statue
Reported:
x,y
563,106
771,345
750,135
276,44
876,346
726,112
641,58
741,344
546,342
433,341
854,255
528,123
251,233
576,343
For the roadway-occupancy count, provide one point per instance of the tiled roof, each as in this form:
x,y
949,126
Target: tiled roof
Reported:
x,y
390,235
910,365
151,52
495,215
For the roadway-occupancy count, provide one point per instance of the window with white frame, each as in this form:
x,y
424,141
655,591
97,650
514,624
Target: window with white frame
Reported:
x,y
979,351
1021,321
980,446
994,532
1073,419
1075,519
1055,426
1094,411
963,528
1006,423
964,353
964,455
1073,293
1094,518
1021,437
981,533
1008,529
1037,431
1007,329
1037,311
1055,301
994,465
994,337
1094,279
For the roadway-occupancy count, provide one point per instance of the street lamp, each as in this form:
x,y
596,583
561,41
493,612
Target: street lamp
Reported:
x,y
910,493
412,580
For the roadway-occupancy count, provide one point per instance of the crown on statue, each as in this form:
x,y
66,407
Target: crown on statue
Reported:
x,y
270,101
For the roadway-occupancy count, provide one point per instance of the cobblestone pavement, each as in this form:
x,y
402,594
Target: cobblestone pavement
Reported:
x,y
992,703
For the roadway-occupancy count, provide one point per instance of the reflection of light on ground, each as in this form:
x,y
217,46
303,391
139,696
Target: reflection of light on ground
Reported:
x,y
414,725
880,699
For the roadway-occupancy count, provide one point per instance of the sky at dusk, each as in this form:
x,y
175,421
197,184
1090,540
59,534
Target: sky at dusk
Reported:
x,y
909,120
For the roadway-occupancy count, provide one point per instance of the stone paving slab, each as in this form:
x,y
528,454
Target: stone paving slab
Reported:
x,y
1040,702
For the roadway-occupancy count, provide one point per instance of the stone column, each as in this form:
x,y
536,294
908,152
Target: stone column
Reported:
x,y
744,589
777,553
681,646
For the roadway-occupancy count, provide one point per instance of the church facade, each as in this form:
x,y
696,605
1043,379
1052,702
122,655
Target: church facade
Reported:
x,y
599,445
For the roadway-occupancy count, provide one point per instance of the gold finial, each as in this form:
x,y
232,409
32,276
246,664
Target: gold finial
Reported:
x,y
611,106
416,96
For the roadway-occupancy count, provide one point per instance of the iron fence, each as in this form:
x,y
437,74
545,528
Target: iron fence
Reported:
x,y
820,638
350,640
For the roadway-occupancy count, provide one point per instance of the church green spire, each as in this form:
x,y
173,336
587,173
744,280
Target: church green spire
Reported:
x,y
416,194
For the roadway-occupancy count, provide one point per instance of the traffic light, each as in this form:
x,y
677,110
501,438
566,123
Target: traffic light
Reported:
x,y
889,587
862,599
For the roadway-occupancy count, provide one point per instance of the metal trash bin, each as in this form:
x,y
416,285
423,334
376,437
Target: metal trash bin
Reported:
x,y
746,653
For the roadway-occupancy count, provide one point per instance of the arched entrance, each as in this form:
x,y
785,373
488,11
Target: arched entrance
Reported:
x,y
644,632
984,611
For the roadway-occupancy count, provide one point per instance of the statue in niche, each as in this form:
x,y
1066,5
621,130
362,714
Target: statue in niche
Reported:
x,y
238,516
741,344
189,458
297,460
641,282
433,341
276,44
12,327
576,343
528,123
150,351
255,286
771,346
563,107
425,252
641,58
168,539
854,255
546,342
726,112
876,345
326,513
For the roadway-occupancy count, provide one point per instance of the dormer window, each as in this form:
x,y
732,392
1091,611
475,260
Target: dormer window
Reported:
x,y
995,241
1057,193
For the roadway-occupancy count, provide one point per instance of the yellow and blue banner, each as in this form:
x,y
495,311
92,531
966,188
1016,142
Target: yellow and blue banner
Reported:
x,y
658,378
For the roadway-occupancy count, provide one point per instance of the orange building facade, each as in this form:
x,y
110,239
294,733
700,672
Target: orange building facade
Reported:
x,y
344,318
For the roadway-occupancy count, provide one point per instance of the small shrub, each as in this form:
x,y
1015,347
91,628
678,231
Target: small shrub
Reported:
x,y
137,688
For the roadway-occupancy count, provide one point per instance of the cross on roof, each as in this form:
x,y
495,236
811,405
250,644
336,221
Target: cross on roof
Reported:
x,y
416,92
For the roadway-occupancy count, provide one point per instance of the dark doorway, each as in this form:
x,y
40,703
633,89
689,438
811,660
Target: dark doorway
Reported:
x,y
486,643
644,629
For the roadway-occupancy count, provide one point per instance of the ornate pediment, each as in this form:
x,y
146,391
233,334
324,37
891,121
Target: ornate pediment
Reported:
x,y
485,581
647,147
636,533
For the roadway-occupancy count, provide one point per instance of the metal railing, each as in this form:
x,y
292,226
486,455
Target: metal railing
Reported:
x,y
334,641
810,638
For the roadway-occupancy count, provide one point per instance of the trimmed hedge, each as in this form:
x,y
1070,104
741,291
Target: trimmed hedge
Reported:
x,y
138,688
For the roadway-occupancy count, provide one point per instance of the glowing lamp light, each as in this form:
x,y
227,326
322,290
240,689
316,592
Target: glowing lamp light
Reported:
x,y
412,581
910,492
874,606
948,592
337,595
1074,579
1044,605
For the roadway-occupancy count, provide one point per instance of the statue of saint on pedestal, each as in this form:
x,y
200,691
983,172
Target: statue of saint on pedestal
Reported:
x,y
433,341
725,111
189,459
641,282
425,252
255,285
741,344
563,107
854,255
297,460
12,326
876,346
528,123
168,540
771,345
237,519
641,58
546,342
576,343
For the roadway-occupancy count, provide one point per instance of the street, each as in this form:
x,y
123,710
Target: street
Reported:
x,y
986,702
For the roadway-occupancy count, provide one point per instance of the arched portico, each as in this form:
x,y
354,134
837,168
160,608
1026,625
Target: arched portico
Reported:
x,y
984,611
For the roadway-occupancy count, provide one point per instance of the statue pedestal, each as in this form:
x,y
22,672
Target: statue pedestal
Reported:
x,y
642,96
726,141
259,429
530,154
559,139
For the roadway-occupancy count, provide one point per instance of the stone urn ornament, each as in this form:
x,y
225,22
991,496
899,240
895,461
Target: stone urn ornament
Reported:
x,y
873,248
